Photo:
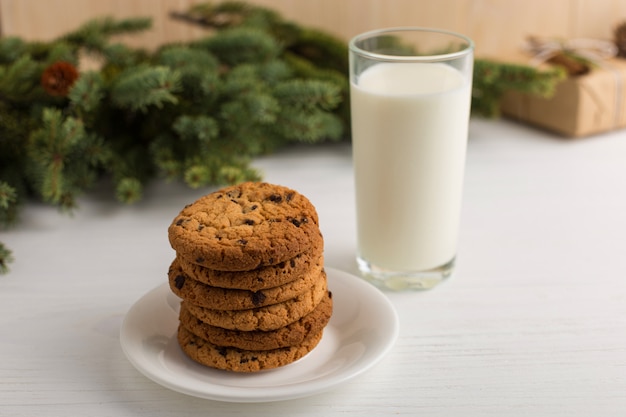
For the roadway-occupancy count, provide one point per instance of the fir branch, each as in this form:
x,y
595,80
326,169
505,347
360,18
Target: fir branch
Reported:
x,y
298,126
250,109
197,176
8,204
229,14
274,71
321,49
128,190
55,148
87,92
199,128
492,78
11,49
118,56
141,87
6,257
199,70
308,94
241,45
19,79
95,34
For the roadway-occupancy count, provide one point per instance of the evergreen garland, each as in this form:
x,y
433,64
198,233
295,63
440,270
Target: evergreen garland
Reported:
x,y
196,112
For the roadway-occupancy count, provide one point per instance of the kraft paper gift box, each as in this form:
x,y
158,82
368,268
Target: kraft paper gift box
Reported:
x,y
581,105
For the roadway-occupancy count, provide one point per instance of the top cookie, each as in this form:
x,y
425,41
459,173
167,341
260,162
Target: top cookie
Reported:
x,y
246,226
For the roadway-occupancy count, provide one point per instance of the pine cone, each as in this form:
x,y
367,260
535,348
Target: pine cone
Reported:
x,y
620,39
58,78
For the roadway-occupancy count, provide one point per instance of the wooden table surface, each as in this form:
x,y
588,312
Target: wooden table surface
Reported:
x,y
532,323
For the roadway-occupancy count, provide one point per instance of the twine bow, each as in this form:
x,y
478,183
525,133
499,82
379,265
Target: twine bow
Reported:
x,y
591,50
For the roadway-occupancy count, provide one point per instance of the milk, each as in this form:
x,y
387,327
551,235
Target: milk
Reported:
x,y
409,126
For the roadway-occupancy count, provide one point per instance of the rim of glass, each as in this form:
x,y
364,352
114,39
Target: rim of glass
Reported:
x,y
410,58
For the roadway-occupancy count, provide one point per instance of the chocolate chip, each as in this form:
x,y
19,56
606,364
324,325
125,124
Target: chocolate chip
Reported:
x,y
222,351
200,227
179,222
258,298
292,263
254,207
242,241
244,360
179,281
275,198
199,260
295,222
248,222
289,196
330,294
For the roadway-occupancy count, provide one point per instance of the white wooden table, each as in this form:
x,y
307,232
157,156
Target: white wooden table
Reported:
x,y
533,323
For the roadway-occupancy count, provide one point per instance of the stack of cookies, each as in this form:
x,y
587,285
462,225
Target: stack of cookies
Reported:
x,y
249,269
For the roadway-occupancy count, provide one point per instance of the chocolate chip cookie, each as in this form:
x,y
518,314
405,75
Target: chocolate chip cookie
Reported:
x,y
265,318
203,295
291,335
239,360
245,226
259,278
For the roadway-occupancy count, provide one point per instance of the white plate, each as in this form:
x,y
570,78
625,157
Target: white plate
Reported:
x,y
362,329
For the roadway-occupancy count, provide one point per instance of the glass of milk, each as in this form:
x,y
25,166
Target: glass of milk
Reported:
x,y
410,93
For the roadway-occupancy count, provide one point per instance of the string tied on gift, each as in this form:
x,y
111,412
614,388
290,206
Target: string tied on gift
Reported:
x,y
592,50
578,55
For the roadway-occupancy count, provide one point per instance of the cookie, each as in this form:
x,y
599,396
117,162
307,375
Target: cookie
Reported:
x,y
266,318
291,335
203,295
238,360
259,278
245,227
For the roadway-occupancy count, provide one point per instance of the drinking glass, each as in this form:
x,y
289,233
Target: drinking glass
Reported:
x,y
410,93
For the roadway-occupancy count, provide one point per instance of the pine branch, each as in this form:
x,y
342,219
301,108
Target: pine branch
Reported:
x,y
241,45
141,87
11,49
492,79
8,204
128,190
198,69
54,147
18,80
87,93
95,34
6,257
308,94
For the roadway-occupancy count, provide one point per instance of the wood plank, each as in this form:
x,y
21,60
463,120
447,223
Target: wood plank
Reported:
x,y
498,27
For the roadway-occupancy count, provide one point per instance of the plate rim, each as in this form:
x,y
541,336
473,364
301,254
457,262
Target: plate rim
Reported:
x,y
306,388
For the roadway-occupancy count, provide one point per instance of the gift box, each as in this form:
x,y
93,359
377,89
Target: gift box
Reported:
x,y
580,106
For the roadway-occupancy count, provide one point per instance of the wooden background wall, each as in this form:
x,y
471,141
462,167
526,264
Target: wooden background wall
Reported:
x,y
497,26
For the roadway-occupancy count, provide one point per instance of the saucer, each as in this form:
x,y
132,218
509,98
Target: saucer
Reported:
x,y
362,330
